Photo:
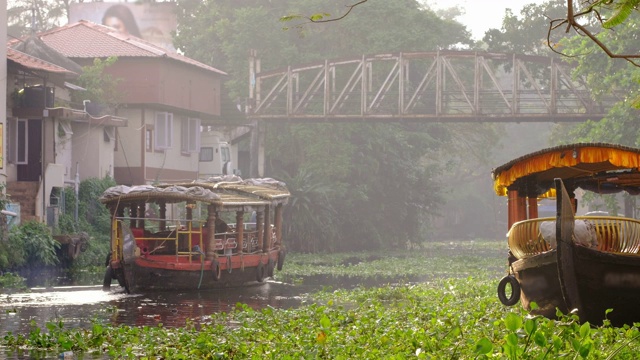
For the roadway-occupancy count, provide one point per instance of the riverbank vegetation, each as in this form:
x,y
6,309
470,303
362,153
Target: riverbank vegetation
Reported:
x,y
30,251
453,312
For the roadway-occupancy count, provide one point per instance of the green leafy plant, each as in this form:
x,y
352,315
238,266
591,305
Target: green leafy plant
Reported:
x,y
101,87
4,201
32,245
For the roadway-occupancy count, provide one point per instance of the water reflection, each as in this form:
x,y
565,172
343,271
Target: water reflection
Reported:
x,y
79,307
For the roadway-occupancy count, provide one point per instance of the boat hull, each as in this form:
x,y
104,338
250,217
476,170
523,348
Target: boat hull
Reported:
x,y
164,273
539,283
603,281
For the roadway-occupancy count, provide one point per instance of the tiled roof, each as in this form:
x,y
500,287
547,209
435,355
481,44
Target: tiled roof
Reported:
x,y
34,63
86,39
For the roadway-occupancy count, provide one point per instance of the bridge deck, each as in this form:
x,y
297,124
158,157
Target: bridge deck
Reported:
x,y
444,86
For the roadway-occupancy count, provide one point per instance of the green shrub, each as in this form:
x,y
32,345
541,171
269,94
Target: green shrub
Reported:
x,y
32,246
93,218
12,281
4,201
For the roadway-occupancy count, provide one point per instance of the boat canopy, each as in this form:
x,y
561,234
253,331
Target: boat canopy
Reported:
x,y
222,191
598,167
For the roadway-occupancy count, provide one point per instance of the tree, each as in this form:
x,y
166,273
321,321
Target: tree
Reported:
x,y
358,185
526,33
26,16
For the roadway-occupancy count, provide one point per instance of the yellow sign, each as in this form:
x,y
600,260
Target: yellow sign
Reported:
x,y
1,148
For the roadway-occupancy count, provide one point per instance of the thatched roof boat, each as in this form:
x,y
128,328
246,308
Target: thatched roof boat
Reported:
x,y
195,235
589,264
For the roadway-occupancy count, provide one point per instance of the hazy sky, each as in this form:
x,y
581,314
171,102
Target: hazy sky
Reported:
x,y
482,15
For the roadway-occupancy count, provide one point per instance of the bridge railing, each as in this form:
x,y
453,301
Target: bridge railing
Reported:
x,y
445,85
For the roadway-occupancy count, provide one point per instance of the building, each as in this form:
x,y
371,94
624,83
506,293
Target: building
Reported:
x,y
46,137
166,97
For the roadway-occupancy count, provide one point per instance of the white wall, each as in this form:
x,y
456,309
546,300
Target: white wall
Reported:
x,y
130,138
91,151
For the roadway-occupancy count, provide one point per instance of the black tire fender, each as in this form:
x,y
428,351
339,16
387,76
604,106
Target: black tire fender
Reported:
x,y
271,265
281,255
216,270
107,261
260,272
108,276
515,290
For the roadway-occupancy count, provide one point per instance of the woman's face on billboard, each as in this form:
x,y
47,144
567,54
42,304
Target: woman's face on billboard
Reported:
x,y
115,23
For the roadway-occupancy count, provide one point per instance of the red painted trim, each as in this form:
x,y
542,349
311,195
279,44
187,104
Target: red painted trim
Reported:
x,y
169,262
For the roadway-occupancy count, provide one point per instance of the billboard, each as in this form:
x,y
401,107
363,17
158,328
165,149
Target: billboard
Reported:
x,y
153,22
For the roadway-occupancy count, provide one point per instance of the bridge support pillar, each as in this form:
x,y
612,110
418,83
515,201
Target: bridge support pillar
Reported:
x,y
256,149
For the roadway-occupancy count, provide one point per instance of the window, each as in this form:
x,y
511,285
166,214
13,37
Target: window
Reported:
x,y
148,138
190,135
164,131
206,154
10,156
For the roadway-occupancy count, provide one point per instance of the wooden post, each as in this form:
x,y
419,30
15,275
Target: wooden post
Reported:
x,y
115,212
211,236
266,239
189,226
533,208
512,207
240,230
522,208
278,222
163,216
260,228
133,213
141,214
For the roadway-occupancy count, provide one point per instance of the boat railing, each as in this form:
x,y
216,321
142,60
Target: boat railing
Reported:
x,y
612,234
179,238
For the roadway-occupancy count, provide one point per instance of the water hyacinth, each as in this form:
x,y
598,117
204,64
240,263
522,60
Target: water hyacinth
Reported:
x,y
451,317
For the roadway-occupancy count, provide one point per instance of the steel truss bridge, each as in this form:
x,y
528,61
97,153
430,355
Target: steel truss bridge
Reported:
x,y
442,86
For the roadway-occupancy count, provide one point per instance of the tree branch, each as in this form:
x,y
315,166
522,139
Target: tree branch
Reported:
x,y
349,8
321,17
572,23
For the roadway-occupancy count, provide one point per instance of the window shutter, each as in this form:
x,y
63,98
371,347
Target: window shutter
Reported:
x,y
163,131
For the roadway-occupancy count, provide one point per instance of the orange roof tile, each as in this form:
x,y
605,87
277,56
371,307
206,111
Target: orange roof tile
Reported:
x,y
34,63
86,39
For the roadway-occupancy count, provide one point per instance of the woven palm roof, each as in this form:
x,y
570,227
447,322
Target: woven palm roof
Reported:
x,y
224,193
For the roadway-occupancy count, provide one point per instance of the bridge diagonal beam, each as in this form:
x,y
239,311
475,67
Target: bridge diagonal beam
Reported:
x,y
421,88
282,84
586,101
521,67
438,86
457,80
354,80
392,76
495,82
311,90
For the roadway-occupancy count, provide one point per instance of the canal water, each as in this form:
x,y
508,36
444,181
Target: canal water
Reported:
x,y
79,306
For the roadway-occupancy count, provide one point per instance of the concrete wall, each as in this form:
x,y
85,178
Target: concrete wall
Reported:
x,y
92,151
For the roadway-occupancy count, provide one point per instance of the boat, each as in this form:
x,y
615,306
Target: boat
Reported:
x,y
589,264
195,235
